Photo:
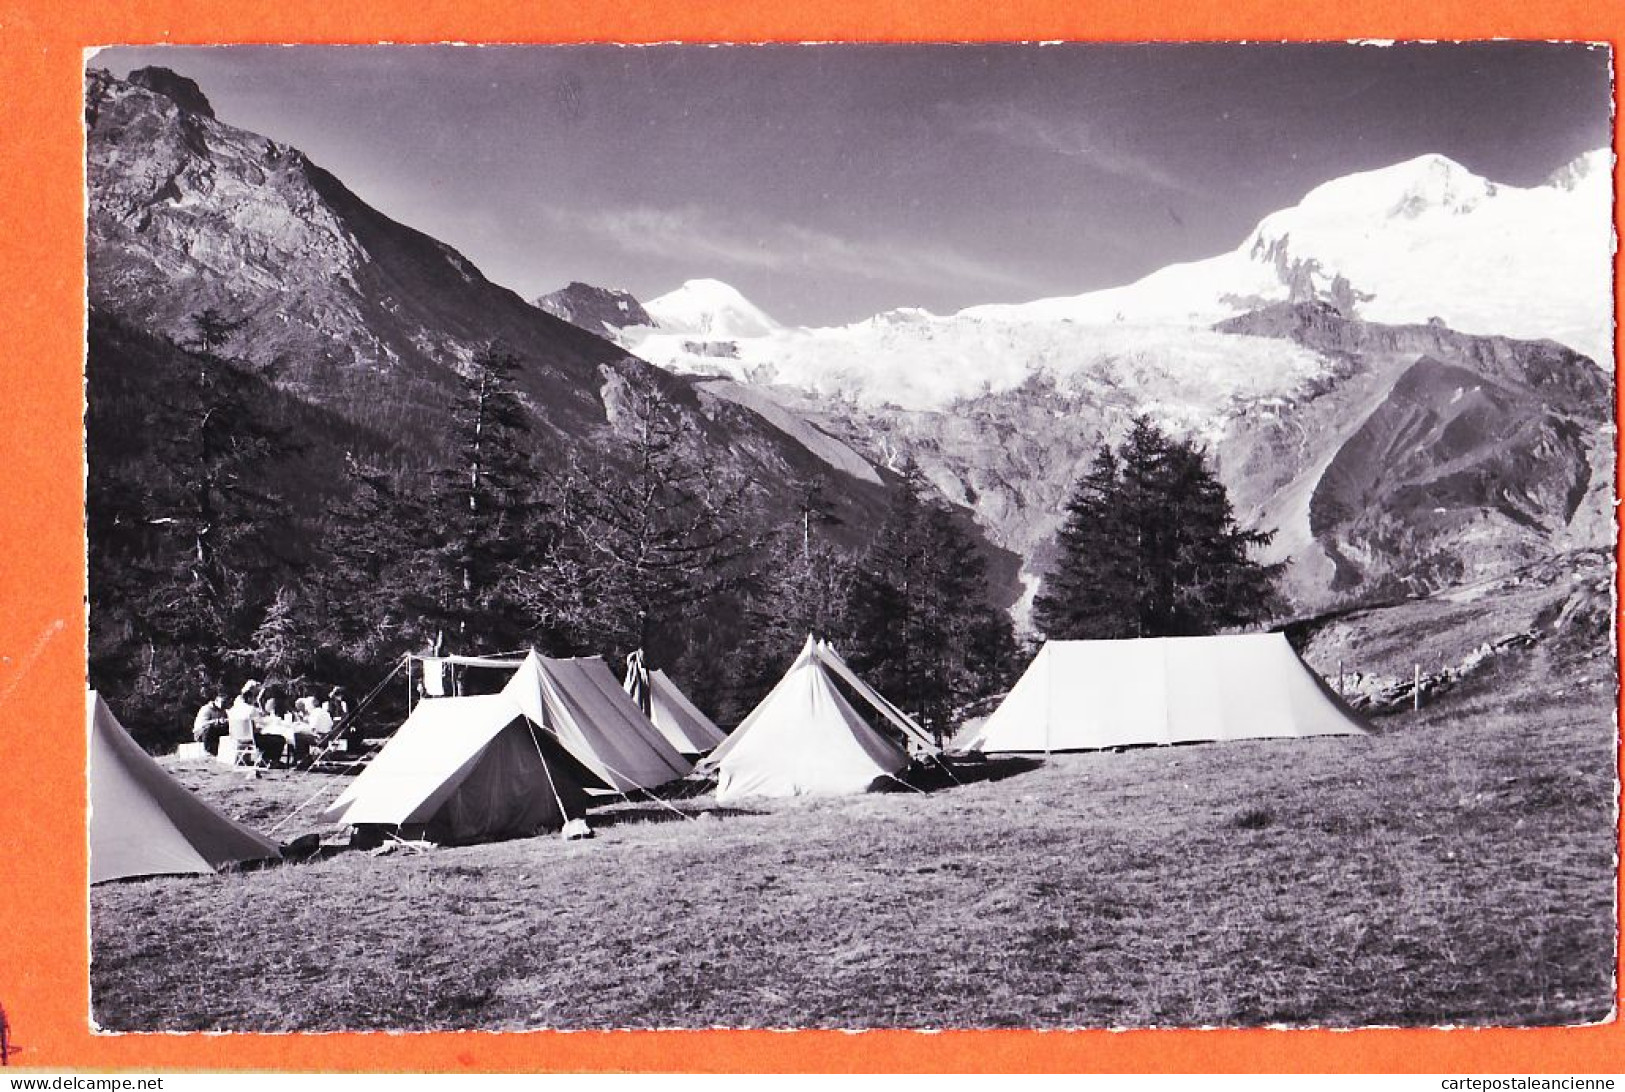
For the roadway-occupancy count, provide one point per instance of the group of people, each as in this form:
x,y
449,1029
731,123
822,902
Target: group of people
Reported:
x,y
265,722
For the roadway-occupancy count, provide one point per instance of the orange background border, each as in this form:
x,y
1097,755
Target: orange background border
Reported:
x,y
44,984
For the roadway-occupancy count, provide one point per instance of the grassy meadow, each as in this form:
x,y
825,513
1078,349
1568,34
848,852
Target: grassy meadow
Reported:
x,y
1455,867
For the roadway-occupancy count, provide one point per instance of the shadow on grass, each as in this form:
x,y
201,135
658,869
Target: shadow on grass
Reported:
x,y
961,770
653,814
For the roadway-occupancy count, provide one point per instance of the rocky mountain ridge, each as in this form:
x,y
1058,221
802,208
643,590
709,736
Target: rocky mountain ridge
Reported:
x,y
1389,459
368,319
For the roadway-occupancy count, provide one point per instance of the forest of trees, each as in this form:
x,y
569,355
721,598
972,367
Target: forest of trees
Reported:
x,y
1150,547
241,532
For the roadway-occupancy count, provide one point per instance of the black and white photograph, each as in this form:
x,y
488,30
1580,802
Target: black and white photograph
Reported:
x,y
1049,535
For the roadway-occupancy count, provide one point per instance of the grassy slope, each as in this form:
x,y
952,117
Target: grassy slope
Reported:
x,y
1455,868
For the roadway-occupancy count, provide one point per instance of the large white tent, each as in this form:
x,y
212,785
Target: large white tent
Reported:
x,y
145,823
805,738
685,727
466,768
1084,695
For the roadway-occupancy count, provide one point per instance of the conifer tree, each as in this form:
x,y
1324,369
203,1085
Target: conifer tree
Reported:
x,y
641,541
283,645
1150,547
802,589
488,505
182,521
922,628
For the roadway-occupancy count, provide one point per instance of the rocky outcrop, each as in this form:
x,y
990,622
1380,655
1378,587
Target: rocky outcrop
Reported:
x,y
602,311
183,92
1416,458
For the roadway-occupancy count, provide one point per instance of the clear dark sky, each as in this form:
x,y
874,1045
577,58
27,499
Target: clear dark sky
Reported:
x,y
831,182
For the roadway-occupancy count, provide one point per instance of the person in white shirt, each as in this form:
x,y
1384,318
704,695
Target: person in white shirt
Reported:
x,y
319,721
241,716
211,722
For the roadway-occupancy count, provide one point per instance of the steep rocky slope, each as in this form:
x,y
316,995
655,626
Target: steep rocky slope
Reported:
x,y
1437,456
360,315
1388,459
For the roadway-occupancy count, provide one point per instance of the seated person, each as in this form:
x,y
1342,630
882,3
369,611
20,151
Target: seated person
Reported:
x,y
294,735
211,721
240,717
319,721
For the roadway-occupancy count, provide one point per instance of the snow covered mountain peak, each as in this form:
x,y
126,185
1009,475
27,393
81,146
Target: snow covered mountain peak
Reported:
x,y
1592,169
1411,243
1416,187
710,308
1419,240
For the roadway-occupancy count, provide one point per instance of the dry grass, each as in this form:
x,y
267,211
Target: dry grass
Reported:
x,y
1456,869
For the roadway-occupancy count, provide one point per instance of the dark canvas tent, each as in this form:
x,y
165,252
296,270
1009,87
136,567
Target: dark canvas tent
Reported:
x,y
145,823
517,762
462,769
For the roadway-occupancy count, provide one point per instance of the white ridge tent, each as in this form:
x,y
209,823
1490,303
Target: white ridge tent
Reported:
x,y
687,729
145,823
806,739
463,769
1084,695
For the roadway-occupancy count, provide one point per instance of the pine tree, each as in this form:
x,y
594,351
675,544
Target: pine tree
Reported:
x,y
488,505
802,588
183,527
922,628
379,586
1078,597
283,645
1150,547
643,541
211,330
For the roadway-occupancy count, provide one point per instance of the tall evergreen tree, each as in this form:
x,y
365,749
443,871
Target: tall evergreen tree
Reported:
x,y
185,530
921,624
1150,547
643,541
803,588
283,646
381,584
488,505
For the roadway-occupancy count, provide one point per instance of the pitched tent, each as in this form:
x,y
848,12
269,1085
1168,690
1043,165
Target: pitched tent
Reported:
x,y
806,739
465,769
1082,695
579,702
682,724
145,823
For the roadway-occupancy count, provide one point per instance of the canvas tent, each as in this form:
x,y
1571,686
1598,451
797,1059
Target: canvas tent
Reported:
x,y
145,823
1083,695
806,739
682,724
580,703
464,769
516,762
